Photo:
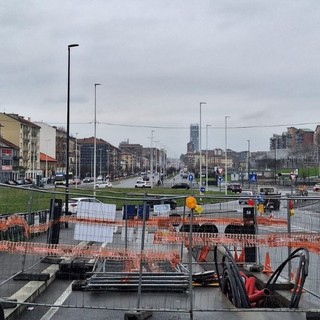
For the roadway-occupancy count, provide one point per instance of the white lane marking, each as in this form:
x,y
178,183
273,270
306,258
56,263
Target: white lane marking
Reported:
x,y
50,313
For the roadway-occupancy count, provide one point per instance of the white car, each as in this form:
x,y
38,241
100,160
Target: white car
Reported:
x,y
104,184
142,184
74,202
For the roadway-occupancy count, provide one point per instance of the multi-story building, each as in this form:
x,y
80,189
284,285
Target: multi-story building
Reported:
x,y
48,162
293,138
108,158
61,149
9,159
156,159
194,136
132,156
26,135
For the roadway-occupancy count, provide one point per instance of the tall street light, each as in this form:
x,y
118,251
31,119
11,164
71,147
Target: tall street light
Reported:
x,y
47,140
95,140
208,125
100,153
156,156
248,162
200,145
77,160
226,153
91,161
151,157
68,129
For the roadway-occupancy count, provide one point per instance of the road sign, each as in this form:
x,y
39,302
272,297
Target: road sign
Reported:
x,y
203,189
253,177
220,170
190,177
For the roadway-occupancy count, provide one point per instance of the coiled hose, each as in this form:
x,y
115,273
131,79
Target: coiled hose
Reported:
x,y
303,255
233,286
231,282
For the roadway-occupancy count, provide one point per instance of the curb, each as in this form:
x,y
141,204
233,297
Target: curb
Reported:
x,y
29,293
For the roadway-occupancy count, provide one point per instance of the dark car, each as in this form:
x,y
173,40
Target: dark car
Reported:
x,y
181,185
236,188
155,201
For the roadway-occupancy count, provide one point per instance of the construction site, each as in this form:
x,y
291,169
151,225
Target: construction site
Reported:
x,y
197,261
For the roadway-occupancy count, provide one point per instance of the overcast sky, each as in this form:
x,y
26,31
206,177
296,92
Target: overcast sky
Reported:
x,y
156,60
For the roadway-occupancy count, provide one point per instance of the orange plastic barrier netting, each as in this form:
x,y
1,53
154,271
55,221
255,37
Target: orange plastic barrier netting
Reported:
x,y
310,241
161,222
87,251
293,240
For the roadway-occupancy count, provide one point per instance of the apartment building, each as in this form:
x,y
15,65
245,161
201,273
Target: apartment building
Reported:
x,y
26,136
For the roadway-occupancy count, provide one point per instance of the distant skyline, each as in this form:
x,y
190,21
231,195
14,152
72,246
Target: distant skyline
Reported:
x,y
255,61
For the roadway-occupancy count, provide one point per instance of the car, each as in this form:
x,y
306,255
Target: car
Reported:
x,y
181,185
236,188
74,202
316,187
103,184
142,184
245,196
11,182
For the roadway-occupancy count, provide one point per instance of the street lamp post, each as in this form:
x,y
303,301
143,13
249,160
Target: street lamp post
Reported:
x,y
68,130
151,158
248,162
47,140
200,146
156,157
91,161
100,154
208,125
95,140
108,165
226,153
77,160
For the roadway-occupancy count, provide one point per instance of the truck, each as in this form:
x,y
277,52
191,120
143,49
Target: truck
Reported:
x,y
271,195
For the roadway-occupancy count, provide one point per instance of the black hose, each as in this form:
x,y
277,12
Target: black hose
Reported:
x,y
231,282
232,285
302,273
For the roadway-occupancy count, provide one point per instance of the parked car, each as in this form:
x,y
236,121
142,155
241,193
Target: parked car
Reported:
x,y
316,187
74,202
142,184
11,182
181,185
104,184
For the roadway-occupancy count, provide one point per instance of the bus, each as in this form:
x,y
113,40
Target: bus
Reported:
x,y
61,178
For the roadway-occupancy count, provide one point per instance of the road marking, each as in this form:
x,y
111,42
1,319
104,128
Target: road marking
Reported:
x,y
50,313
